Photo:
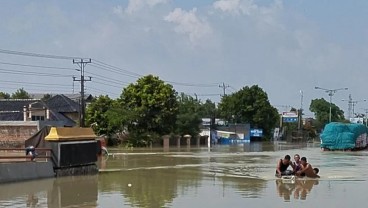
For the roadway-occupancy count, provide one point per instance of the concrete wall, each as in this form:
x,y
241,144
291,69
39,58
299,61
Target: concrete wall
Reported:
x,y
21,171
14,133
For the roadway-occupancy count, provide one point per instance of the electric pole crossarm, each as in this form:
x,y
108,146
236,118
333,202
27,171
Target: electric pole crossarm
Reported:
x,y
331,93
82,63
224,87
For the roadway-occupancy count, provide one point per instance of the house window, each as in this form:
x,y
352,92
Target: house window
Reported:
x,y
38,118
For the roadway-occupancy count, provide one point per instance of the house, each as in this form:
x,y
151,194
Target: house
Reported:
x,y
21,118
75,97
58,108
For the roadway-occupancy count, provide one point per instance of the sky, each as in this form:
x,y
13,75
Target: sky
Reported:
x,y
285,47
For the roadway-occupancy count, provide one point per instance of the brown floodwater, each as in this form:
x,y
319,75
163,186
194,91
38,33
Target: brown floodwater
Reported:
x,y
223,176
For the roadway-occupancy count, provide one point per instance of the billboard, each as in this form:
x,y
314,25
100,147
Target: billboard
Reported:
x,y
289,117
256,132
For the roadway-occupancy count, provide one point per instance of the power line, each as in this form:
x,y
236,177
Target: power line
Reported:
x,y
192,84
118,70
205,95
107,84
108,79
233,88
20,53
8,71
36,66
97,64
57,87
99,90
32,83
33,89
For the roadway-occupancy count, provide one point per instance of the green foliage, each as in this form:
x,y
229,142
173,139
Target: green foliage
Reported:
x,y
137,139
321,110
188,118
250,105
46,97
20,94
207,109
96,115
154,105
4,95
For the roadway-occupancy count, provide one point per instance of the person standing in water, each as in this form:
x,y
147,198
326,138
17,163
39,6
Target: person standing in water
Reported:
x,y
282,167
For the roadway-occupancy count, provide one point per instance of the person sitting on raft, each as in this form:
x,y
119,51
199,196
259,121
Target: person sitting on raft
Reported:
x,y
282,167
307,169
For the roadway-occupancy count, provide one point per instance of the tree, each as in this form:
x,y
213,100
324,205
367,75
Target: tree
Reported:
x,y
20,94
250,105
154,104
107,117
188,118
4,95
46,97
96,115
321,110
207,109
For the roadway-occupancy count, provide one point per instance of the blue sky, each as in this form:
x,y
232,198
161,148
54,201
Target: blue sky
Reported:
x,y
282,46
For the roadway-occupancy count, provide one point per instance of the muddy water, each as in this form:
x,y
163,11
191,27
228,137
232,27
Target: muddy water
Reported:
x,y
224,176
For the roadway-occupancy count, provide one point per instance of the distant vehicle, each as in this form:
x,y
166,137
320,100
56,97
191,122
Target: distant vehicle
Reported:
x,y
344,137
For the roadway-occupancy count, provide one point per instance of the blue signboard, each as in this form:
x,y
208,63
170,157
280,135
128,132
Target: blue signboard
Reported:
x,y
256,132
290,119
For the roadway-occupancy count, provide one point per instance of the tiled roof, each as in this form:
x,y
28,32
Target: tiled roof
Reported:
x,y
55,116
12,109
75,96
15,104
62,104
11,116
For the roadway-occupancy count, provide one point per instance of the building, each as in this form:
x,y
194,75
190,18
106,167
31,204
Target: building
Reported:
x,y
21,118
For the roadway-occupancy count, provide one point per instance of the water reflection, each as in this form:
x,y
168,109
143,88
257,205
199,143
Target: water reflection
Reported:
x,y
246,187
61,192
225,176
73,191
150,187
32,200
299,188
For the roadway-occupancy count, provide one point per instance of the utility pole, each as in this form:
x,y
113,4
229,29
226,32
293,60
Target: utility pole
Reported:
x,y
351,104
73,83
366,116
350,107
300,113
82,63
223,86
330,93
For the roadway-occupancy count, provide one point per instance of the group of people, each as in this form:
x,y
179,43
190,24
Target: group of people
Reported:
x,y
300,167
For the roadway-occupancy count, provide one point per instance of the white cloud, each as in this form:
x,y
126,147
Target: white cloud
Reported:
x,y
189,23
236,6
239,42
118,10
136,5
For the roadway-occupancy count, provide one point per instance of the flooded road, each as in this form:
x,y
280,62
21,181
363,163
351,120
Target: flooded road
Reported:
x,y
224,176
